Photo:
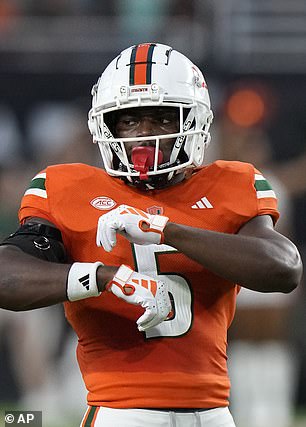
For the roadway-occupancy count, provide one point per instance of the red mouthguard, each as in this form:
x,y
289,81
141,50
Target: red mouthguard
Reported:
x,y
143,159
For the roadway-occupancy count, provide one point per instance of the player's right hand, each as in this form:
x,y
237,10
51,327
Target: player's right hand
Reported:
x,y
139,289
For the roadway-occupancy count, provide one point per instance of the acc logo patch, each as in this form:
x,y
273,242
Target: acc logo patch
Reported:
x,y
103,203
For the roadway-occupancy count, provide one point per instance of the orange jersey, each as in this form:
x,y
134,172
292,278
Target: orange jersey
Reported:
x,y
181,362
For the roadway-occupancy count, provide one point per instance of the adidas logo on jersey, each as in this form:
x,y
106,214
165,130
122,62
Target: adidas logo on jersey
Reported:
x,y
85,281
204,203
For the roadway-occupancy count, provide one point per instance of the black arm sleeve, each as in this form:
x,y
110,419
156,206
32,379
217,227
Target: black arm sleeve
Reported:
x,y
39,240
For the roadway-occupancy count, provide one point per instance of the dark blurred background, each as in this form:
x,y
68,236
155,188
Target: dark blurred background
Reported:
x,y
253,55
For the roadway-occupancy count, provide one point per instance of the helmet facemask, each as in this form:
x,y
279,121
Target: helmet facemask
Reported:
x,y
145,167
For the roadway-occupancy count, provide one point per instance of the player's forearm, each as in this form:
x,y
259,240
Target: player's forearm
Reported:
x,y
27,283
255,263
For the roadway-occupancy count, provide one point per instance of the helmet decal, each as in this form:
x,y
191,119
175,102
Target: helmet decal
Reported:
x,y
141,64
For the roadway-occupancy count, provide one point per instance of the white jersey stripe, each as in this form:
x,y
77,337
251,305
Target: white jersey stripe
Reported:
x,y
266,193
36,192
40,175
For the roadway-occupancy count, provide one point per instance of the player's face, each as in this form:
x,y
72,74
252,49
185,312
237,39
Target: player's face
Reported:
x,y
148,121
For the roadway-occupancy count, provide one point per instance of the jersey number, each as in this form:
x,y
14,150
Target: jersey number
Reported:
x,y
146,260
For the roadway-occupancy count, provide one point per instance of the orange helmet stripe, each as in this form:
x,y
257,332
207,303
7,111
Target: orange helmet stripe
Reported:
x,y
141,64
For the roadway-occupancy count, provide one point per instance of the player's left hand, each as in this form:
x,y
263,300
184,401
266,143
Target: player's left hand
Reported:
x,y
134,224
139,289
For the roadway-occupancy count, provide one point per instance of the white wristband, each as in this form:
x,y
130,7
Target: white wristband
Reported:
x,y
159,222
82,280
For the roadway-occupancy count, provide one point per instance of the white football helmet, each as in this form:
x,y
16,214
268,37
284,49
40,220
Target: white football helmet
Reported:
x,y
148,75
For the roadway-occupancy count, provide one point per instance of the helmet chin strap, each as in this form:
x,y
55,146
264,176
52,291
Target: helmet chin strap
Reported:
x,y
143,158
180,140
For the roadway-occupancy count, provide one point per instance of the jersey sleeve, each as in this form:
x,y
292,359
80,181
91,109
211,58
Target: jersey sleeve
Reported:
x,y
266,197
35,201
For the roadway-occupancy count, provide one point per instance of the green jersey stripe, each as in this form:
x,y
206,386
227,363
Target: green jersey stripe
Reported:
x,y
38,183
90,416
37,186
262,185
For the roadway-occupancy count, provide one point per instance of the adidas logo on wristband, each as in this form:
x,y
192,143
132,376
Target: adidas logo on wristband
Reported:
x,y
85,281
84,273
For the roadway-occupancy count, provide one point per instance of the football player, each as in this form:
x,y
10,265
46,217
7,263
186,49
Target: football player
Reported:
x,y
156,237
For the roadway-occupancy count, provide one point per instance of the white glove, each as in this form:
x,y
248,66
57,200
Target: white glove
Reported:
x,y
138,289
134,224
